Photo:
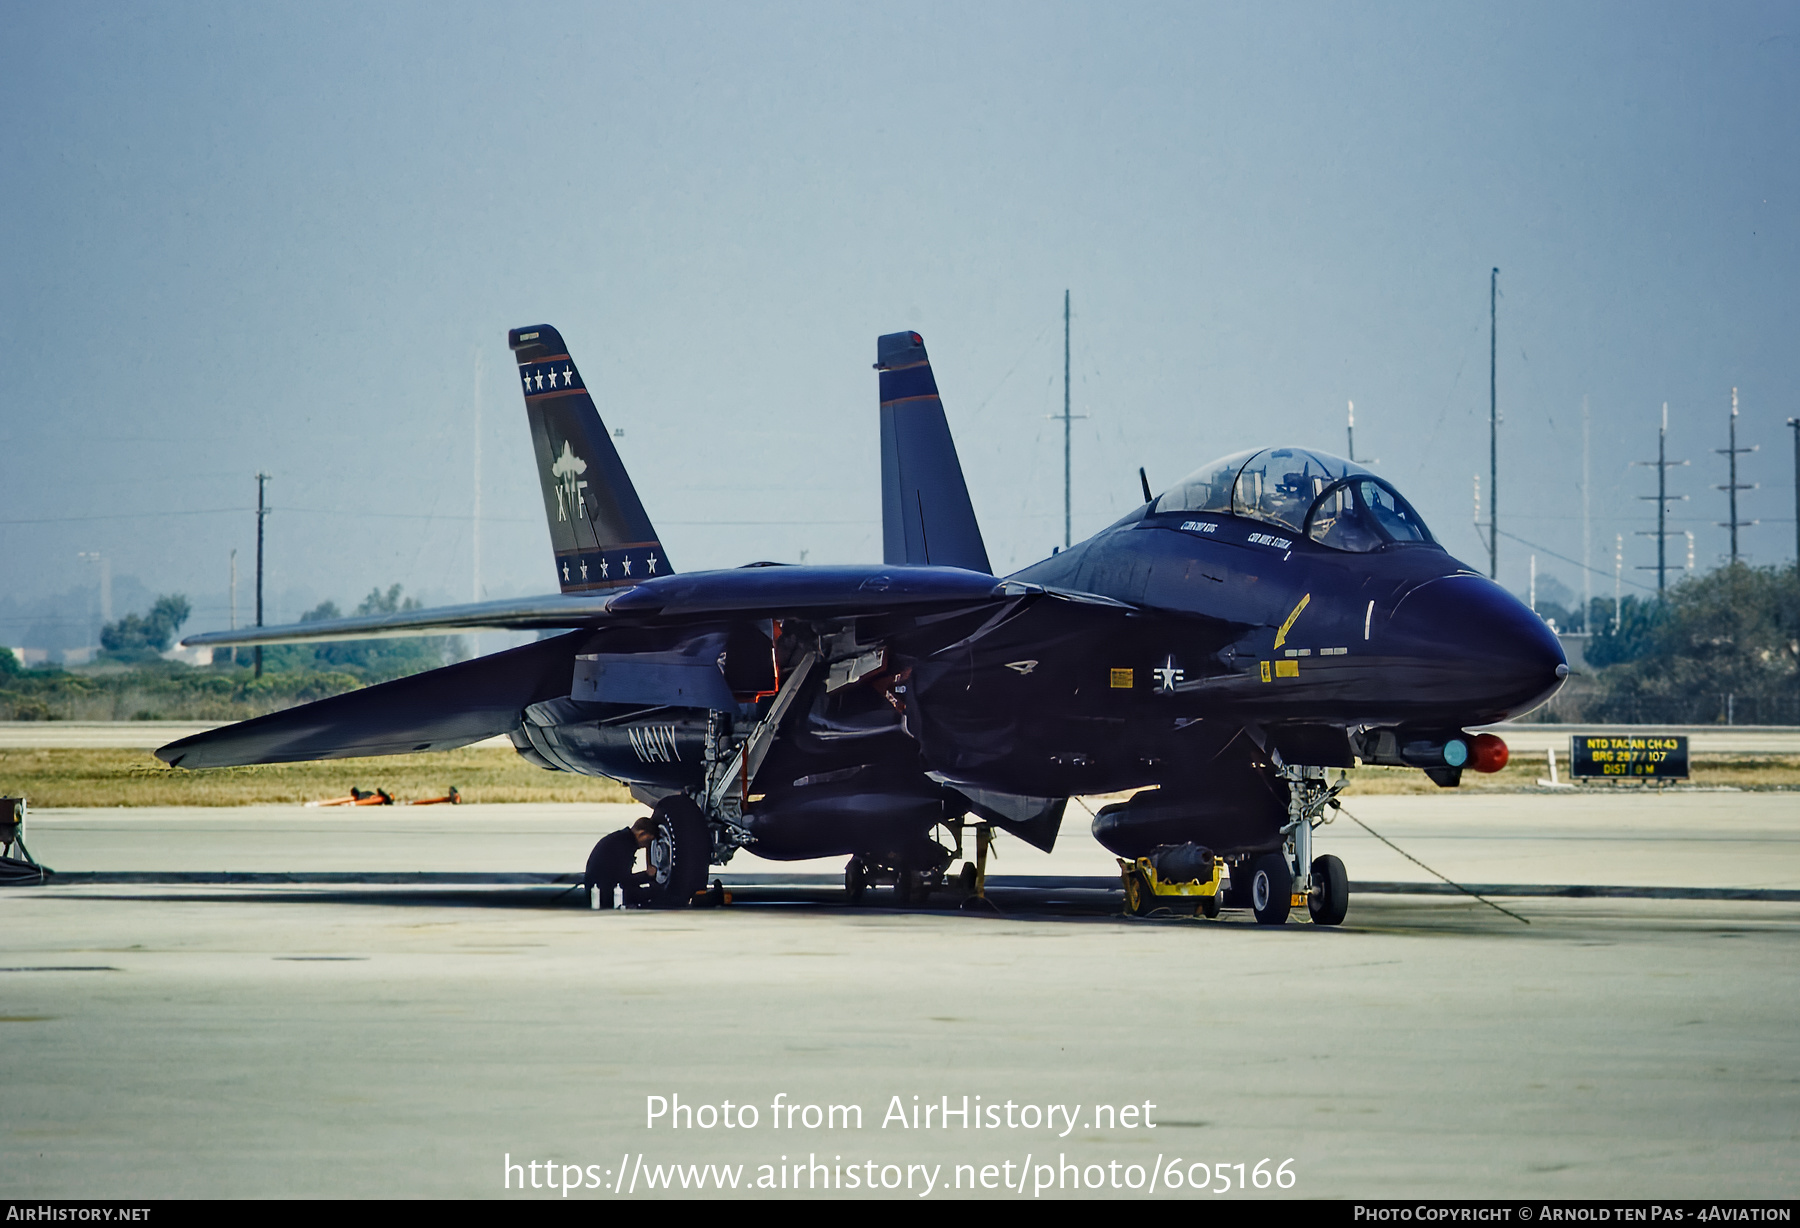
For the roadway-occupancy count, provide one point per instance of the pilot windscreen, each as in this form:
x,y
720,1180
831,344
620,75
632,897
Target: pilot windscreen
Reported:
x,y
1363,515
1397,520
1278,485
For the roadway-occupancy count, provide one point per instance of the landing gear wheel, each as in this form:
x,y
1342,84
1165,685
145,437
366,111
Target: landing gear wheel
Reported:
x,y
1330,898
1137,894
679,853
856,880
1209,905
1271,889
903,885
1237,894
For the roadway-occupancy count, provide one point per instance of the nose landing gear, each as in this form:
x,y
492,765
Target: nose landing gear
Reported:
x,y
1280,882
1329,898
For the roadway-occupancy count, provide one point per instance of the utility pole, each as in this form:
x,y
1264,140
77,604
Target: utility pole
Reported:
x,y
1587,524
1662,496
475,512
1794,424
1067,417
1619,575
1733,486
1493,429
1067,518
234,601
106,610
1351,456
261,511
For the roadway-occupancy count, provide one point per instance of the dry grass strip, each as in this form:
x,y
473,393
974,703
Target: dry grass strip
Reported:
x,y
106,777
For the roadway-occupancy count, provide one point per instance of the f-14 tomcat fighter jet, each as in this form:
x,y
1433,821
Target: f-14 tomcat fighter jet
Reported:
x,y
1277,614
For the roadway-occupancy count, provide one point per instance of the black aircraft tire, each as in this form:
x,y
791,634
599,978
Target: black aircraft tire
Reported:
x,y
1271,889
856,880
682,833
1238,894
1330,899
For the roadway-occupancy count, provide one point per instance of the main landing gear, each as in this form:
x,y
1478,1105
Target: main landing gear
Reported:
x,y
911,879
916,872
679,852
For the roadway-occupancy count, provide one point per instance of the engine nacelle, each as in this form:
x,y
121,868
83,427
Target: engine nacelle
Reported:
x,y
844,817
665,748
1236,813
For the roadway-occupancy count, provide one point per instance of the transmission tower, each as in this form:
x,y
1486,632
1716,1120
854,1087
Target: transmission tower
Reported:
x,y
1733,486
1662,496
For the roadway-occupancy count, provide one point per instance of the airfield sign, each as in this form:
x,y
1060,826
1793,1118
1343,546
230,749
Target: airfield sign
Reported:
x,y
1625,756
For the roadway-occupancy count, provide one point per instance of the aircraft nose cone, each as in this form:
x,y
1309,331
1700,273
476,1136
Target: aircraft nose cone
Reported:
x,y
1488,650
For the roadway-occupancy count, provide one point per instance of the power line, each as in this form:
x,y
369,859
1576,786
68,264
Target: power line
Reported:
x,y
1565,558
204,511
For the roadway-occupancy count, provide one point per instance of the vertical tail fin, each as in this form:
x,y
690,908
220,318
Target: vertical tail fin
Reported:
x,y
926,516
598,528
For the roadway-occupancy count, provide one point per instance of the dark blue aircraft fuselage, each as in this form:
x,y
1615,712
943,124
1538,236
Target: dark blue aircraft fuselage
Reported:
x,y
1233,624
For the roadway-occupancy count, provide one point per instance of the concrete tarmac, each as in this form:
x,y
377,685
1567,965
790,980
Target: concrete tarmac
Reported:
x,y
1635,837
167,1040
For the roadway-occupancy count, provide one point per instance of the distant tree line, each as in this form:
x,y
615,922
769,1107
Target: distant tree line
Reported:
x,y
1721,641
373,660
136,636
153,687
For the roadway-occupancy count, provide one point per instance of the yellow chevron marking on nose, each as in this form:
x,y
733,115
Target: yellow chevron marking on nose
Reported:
x,y
1281,635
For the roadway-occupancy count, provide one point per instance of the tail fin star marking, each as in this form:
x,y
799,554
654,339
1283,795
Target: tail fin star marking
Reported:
x,y
598,526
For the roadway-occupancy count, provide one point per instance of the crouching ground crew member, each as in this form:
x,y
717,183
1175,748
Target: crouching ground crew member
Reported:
x,y
609,865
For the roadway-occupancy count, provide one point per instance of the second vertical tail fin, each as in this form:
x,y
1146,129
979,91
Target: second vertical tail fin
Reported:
x,y
926,516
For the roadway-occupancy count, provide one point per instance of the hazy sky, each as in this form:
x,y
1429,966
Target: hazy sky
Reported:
x,y
243,237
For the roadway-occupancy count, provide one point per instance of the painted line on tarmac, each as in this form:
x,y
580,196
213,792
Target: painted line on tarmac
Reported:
x,y
459,878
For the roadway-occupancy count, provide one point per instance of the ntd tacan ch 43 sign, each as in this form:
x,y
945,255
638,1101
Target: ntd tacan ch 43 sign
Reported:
x,y
1614,755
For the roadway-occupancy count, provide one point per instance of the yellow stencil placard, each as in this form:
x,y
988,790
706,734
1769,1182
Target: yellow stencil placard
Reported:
x,y
1121,679
1265,670
1286,626
1287,669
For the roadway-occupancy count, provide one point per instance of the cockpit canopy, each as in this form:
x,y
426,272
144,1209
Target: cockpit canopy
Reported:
x,y
1335,502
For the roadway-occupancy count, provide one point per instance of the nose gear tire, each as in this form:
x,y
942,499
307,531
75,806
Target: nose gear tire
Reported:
x,y
1330,898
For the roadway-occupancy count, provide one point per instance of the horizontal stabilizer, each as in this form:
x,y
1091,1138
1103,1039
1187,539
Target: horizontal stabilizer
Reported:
x,y
774,591
926,516
551,612
440,710
750,592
